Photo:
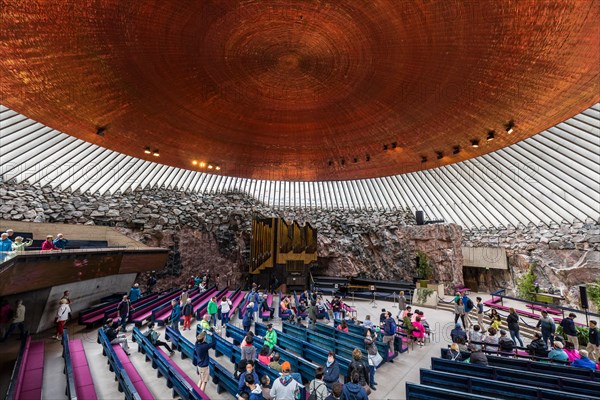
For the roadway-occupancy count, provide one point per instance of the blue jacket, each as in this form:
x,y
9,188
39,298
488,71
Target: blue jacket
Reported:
x,y
353,391
176,313
61,243
332,373
242,382
584,362
5,247
134,294
201,351
253,297
568,326
248,317
465,300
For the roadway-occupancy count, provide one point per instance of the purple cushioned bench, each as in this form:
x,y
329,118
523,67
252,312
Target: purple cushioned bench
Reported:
x,y
142,314
235,302
84,385
134,376
266,314
30,380
185,376
540,308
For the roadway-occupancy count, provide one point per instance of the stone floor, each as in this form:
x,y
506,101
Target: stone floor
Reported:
x,y
391,377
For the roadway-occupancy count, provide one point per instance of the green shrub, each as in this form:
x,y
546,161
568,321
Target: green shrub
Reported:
x,y
424,269
526,285
583,334
593,290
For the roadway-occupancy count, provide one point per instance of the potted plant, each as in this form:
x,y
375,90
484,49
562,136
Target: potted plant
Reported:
x,y
424,269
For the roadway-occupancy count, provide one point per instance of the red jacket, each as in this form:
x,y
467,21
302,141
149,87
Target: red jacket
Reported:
x,y
49,246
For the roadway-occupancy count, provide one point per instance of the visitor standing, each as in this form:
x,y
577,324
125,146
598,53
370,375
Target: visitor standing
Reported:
x,y
568,325
201,357
225,308
123,308
175,315
513,326
212,309
548,327
593,346
62,315
5,246
479,307
187,311
134,292
459,312
389,333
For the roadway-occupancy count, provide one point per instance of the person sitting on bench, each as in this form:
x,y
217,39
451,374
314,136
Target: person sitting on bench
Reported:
x,y
153,336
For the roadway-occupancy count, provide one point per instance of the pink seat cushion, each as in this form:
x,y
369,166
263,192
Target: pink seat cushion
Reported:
x,y
78,359
87,392
34,394
75,346
82,375
32,380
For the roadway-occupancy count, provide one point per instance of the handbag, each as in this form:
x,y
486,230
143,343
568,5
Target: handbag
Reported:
x,y
375,360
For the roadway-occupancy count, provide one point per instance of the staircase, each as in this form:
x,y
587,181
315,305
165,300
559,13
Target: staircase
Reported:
x,y
526,331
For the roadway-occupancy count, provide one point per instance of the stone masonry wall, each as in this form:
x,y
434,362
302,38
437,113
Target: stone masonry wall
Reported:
x,y
565,255
211,232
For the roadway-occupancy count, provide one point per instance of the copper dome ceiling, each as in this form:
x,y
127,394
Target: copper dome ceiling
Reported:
x,y
312,90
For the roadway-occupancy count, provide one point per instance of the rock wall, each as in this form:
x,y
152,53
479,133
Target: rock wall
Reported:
x,y
565,255
211,232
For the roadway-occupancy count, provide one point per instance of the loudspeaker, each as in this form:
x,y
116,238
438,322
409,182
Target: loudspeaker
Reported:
x,y
583,297
420,218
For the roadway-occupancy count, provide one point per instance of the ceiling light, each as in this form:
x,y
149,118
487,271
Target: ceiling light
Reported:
x,y
355,160
368,158
456,150
330,163
202,164
475,143
491,135
385,147
510,126
156,153
440,155
100,131
423,159
343,161
210,166
194,162
218,168
394,145
147,150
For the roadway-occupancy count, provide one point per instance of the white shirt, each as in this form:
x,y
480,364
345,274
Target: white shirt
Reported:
x,y
63,312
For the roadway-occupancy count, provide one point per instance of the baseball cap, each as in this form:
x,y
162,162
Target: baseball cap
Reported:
x,y
286,367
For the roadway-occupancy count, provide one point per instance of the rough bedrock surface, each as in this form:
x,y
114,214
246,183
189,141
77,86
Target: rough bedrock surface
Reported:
x,y
565,255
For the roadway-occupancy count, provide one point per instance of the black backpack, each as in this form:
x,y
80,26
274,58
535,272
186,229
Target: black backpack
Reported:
x,y
470,304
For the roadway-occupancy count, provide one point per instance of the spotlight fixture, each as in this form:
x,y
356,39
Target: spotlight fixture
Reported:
x,y
475,143
491,135
147,150
343,162
394,145
194,162
210,166
202,164
368,158
440,155
100,131
510,126
156,153
423,159
217,168
330,163
355,160
456,150
385,147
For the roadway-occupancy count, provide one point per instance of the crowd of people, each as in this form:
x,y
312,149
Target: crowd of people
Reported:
x,y
546,343
11,246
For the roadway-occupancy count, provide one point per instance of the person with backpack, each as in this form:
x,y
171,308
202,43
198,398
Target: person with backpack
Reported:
x,y
286,387
153,336
389,333
548,327
317,388
248,316
469,306
357,365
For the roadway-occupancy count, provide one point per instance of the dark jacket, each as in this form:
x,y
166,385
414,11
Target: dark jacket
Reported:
x,y
353,391
123,308
175,313
537,348
506,345
242,382
478,357
568,326
363,372
111,333
248,317
594,337
201,351
453,355
458,333
513,322
188,309
332,373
